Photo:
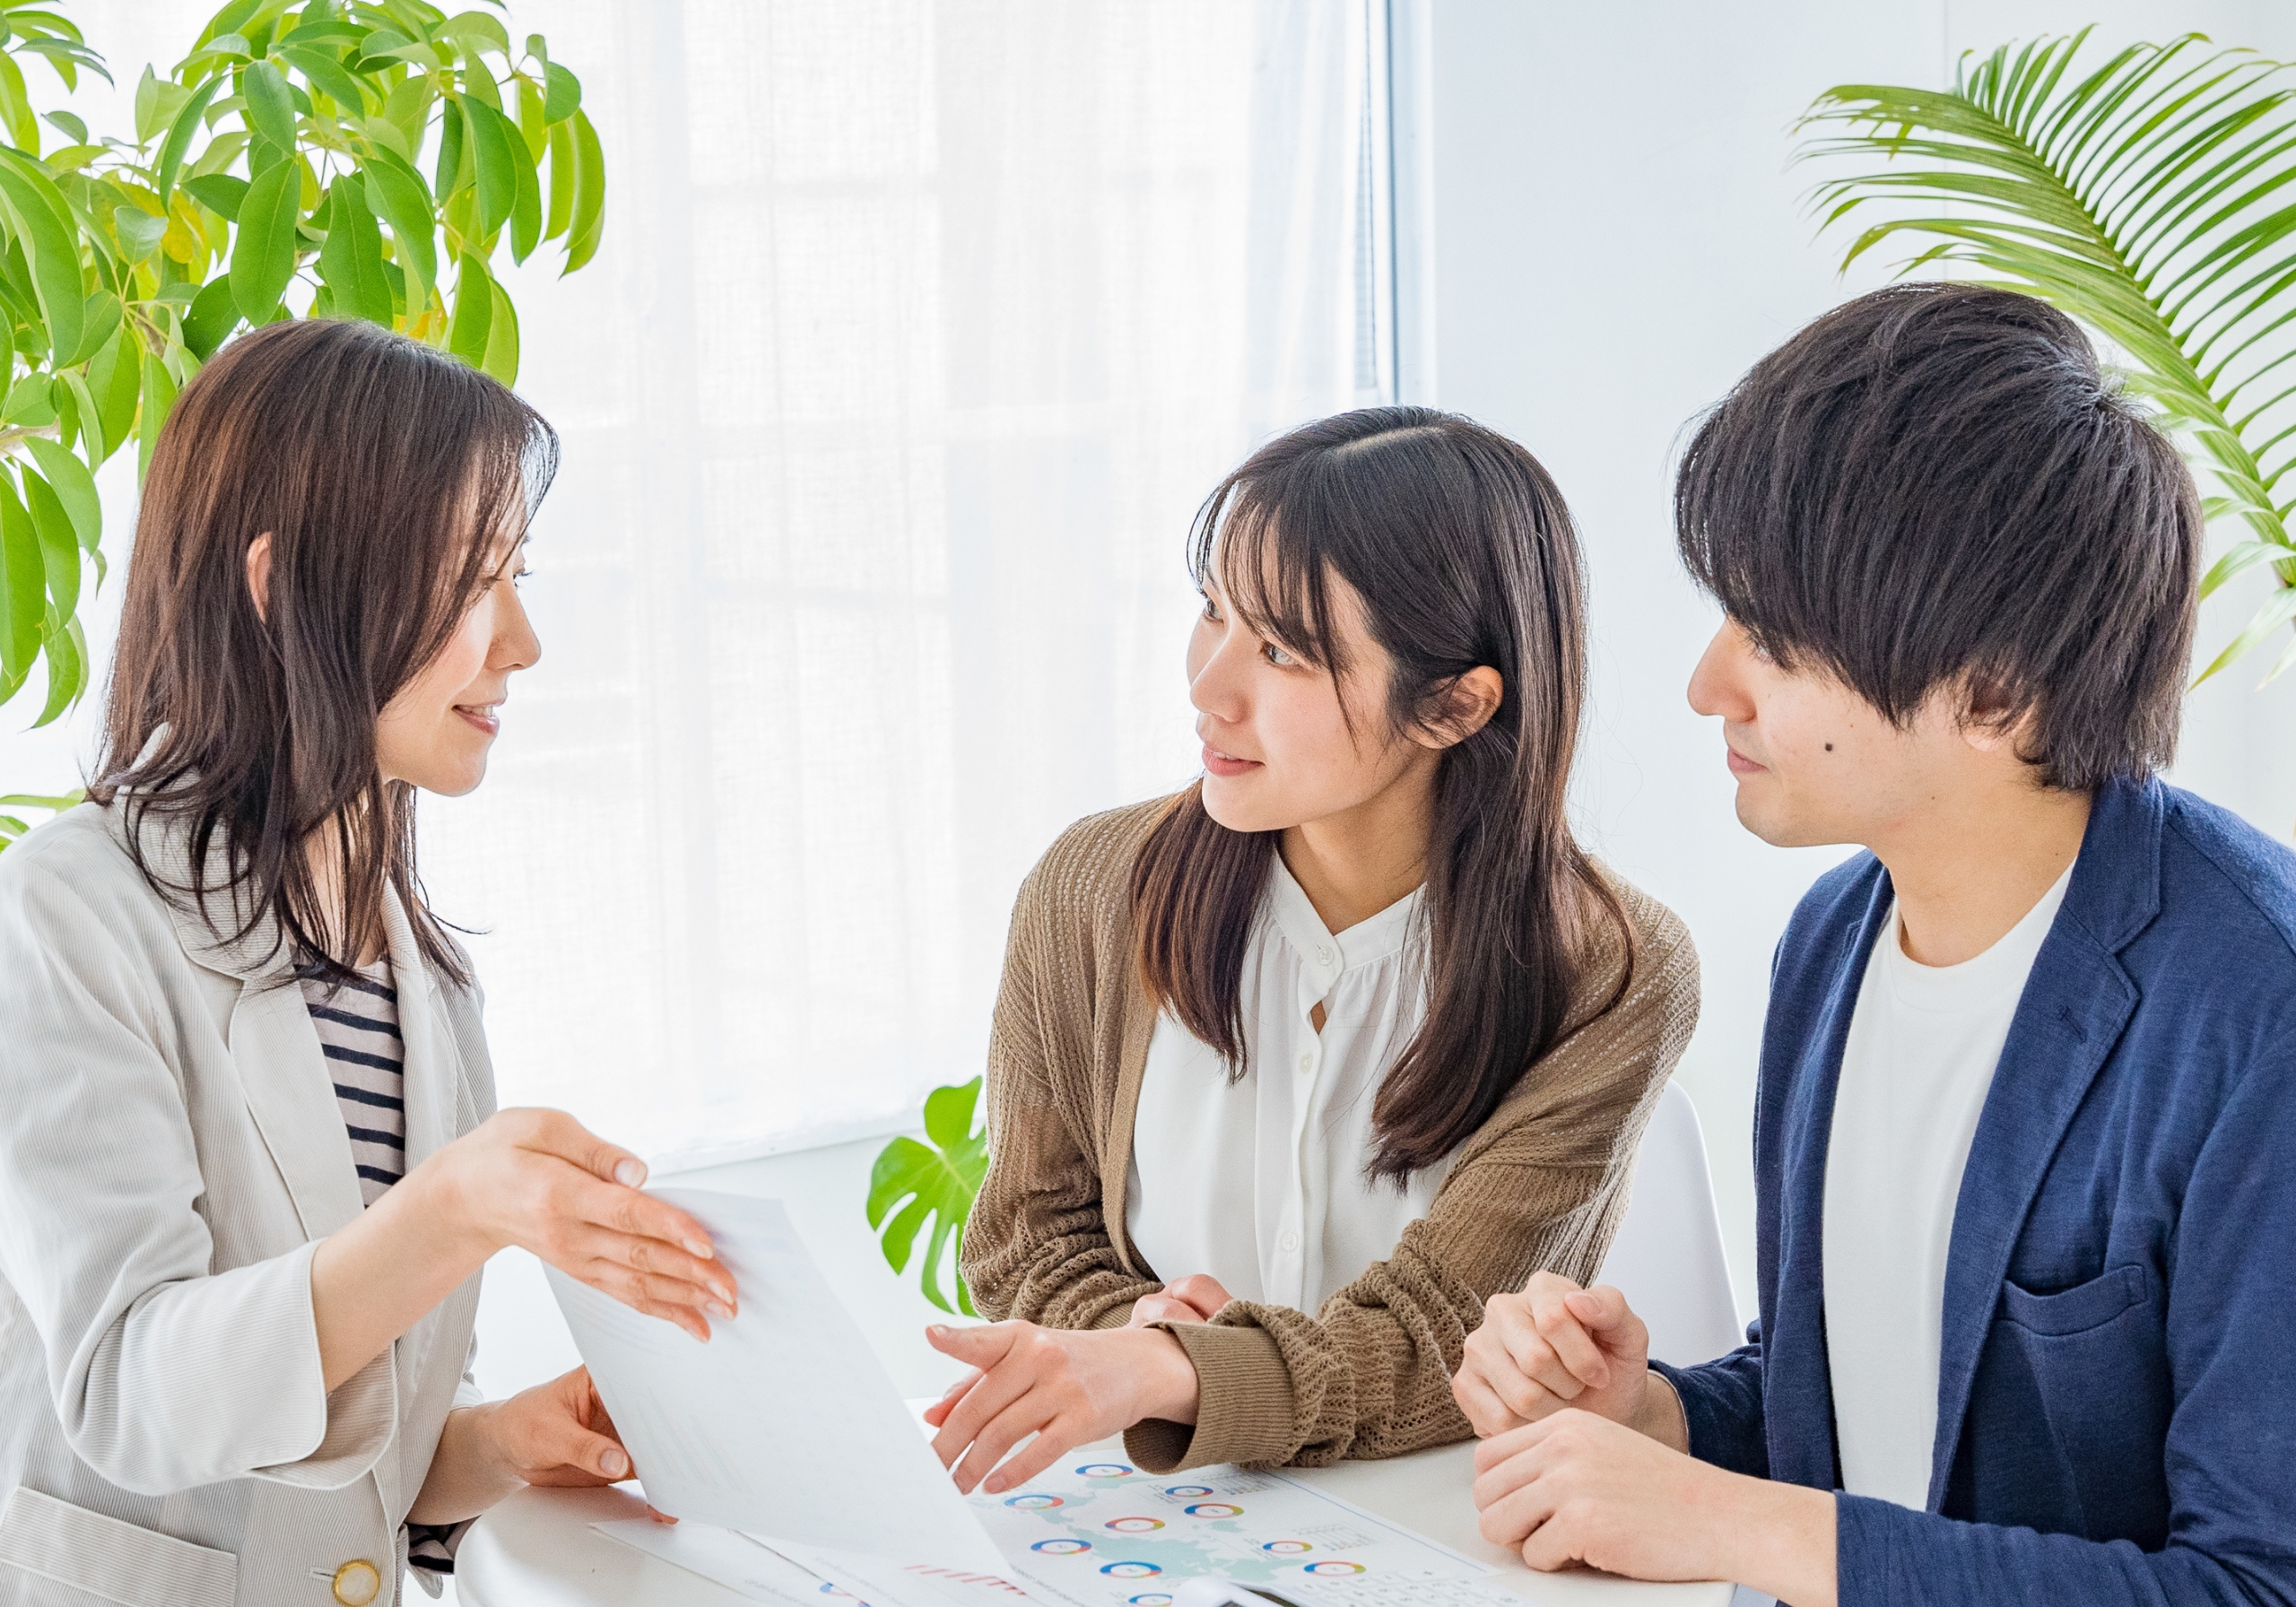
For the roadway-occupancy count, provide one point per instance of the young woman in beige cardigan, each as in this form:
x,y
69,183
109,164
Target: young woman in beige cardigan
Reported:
x,y
1293,1071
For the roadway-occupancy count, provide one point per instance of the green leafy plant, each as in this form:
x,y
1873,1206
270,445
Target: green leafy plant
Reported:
x,y
307,158
916,1186
2148,196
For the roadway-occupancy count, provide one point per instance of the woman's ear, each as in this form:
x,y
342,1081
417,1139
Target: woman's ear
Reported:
x,y
260,574
1462,708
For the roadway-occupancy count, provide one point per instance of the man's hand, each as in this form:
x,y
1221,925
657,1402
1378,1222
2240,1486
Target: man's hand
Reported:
x,y
1556,1345
1197,1299
1066,1388
1575,1487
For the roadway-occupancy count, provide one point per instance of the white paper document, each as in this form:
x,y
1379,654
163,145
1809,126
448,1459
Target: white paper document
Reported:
x,y
783,1425
733,1560
1095,1532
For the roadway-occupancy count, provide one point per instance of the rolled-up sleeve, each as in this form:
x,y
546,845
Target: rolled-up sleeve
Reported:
x,y
164,1375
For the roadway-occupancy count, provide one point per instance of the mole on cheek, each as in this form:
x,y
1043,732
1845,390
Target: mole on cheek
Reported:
x,y
1829,747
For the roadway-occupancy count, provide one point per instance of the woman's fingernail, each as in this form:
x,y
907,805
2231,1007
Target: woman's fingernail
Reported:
x,y
719,1309
699,1247
722,1292
938,1331
615,1465
630,1174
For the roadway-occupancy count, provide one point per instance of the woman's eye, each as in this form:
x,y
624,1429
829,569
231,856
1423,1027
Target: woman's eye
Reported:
x,y
1211,609
1276,656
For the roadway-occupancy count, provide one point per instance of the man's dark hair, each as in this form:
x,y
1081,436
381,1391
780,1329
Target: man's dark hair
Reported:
x,y
1935,486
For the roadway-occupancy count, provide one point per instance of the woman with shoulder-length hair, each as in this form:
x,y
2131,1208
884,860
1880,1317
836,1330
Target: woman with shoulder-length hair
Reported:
x,y
1294,1070
249,1163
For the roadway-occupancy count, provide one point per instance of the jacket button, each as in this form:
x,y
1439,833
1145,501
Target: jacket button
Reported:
x,y
356,1583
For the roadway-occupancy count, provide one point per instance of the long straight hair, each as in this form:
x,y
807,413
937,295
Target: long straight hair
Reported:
x,y
1464,555
392,480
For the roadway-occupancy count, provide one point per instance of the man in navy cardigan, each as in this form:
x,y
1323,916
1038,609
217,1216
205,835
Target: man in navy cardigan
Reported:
x,y
2025,1137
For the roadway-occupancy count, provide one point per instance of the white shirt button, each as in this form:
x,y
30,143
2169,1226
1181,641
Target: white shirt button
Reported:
x,y
1323,954
1307,1063
1289,1241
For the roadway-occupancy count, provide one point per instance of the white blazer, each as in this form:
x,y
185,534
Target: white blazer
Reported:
x,y
171,1154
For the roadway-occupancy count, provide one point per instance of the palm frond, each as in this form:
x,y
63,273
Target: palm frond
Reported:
x,y
2151,197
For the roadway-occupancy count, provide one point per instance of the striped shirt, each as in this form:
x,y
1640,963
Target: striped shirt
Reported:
x,y
366,1057
358,1027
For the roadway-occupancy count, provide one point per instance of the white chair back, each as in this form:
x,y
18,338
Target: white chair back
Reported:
x,y
1667,1259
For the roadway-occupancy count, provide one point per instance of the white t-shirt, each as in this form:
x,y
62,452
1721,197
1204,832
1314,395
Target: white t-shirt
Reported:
x,y
1915,1072
1260,1182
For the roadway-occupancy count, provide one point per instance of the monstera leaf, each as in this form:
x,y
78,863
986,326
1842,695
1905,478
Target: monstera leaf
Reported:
x,y
916,1185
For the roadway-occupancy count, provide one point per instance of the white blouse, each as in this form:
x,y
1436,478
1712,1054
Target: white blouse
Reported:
x,y
1261,1183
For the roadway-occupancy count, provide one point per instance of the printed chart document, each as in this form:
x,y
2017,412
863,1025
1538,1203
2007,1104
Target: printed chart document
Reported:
x,y
784,1425
1098,1533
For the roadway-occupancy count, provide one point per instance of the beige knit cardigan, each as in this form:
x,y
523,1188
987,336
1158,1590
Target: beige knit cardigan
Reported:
x,y
1542,1184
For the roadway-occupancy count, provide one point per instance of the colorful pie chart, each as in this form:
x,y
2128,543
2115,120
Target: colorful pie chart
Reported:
x,y
1133,1525
1185,1490
1333,1568
1154,1599
1287,1548
1062,1547
1131,1570
1037,1503
1105,1470
1214,1509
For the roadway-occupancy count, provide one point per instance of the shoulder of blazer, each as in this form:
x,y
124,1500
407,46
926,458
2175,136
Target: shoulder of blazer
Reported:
x,y
83,849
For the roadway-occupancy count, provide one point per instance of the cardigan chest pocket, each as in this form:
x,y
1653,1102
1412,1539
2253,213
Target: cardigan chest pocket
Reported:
x,y
2095,1359
53,1554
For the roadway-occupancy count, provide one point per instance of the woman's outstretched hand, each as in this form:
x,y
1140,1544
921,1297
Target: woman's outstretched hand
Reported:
x,y
534,1179
1066,1388
540,1180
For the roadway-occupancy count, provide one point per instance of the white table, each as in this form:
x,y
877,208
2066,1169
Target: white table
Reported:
x,y
537,1549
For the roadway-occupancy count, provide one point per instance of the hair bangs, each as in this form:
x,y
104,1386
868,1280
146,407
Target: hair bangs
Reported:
x,y
1258,541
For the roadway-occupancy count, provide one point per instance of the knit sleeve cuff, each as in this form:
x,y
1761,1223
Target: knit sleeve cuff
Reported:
x,y
1244,1405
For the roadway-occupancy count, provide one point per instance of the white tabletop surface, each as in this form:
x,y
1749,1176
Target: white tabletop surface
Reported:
x,y
537,1548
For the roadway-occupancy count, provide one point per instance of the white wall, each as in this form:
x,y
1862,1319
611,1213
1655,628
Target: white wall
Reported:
x,y
1616,238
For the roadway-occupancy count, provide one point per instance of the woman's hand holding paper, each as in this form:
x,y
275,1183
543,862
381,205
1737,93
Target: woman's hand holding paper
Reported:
x,y
537,1179
540,1180
1066,1388
555,1433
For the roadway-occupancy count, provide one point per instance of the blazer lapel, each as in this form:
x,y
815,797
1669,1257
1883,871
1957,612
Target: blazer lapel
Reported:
x,y
292,1096
2075,1004
1799,1383
433,1068
274,1045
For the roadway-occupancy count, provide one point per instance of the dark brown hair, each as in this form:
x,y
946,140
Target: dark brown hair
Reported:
x,y
393,480
1935,485
1464,555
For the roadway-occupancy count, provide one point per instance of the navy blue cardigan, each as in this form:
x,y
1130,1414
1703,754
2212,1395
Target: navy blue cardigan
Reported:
x,y
2117,1392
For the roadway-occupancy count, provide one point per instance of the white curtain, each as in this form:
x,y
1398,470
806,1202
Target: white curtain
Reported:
x,y
920,329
